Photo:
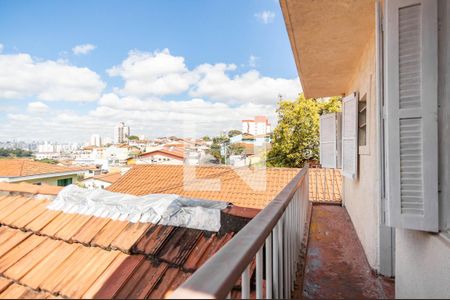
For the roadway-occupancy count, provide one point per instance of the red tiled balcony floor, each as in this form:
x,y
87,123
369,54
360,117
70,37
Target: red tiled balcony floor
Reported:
x,y
336,266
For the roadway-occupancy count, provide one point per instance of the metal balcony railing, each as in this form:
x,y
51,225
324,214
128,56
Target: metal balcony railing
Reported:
x,y
273,238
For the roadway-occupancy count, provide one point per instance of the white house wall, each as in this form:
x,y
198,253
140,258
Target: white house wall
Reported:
x,y
423,259
361,196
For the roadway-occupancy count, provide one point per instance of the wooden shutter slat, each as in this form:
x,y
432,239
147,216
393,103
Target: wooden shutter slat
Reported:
x,y
411,110
350,136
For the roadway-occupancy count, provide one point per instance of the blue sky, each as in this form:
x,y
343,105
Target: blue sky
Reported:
x,y
221,61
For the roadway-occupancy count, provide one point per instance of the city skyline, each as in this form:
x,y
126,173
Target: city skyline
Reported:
x,y
74,80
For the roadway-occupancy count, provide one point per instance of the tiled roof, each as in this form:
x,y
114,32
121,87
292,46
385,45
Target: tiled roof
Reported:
x,y
110,177
168,179
46,253
166,151
325,185
29,188
28,167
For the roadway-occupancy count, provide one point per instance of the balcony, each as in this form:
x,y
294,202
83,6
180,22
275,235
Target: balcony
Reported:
x,y
302,245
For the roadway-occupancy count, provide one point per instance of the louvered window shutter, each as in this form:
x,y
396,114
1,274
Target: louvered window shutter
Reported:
x,y
328,141
411,113
350,136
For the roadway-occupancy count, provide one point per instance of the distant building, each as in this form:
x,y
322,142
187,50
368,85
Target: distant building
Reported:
x,y
27,170
101,181
121,133
259,126
163,156
47,148
96,140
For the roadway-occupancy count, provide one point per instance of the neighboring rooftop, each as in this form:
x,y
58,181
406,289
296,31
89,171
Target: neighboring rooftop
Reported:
x,y
110,177
169,179
29,167
47,253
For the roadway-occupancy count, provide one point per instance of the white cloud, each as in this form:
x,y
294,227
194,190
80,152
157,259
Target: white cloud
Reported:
x,y
266,16
252,61
214,97
83,49
22,76
37,107
152,118
249,87
1,48
150,75
158,73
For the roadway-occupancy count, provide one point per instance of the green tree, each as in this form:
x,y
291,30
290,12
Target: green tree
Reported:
x,y
330,105
296,137
216,147
234,132
14,153
236,149
47,160
133,138
206,138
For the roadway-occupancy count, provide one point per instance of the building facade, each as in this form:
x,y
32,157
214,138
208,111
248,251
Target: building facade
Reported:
x,y
259,126
121,133
391,64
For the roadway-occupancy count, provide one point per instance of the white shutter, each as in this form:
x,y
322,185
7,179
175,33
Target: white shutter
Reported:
x,y
411,113
328,145
350,136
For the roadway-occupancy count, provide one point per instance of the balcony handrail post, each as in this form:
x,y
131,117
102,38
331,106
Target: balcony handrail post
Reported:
x,y
269,267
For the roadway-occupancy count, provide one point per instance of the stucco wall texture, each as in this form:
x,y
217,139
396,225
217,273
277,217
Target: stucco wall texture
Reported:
x,y
361,195
422,265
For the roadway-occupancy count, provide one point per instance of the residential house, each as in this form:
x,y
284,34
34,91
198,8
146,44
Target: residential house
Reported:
x,y
27,170
166,155
101,181
390,61
253,190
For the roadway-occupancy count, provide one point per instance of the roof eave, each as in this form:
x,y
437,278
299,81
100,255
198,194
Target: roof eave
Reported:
x,y
322,72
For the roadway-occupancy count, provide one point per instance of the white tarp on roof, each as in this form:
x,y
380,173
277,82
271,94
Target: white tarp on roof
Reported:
x,y
163,209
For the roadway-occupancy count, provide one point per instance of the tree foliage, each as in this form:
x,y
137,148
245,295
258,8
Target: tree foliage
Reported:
x,y
47,161
234,132
236,149
296,137
14,153
133,138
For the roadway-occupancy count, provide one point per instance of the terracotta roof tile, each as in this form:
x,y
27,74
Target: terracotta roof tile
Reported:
x,y
24,187
178,248
321,183
28,167
109,233
154,179
47,266
104,277
14,291
110,177
128,237
54,254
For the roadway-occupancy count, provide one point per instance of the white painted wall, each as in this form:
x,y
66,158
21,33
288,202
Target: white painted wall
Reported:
x,y
361,196
423,259
422,265
158,159
93,183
